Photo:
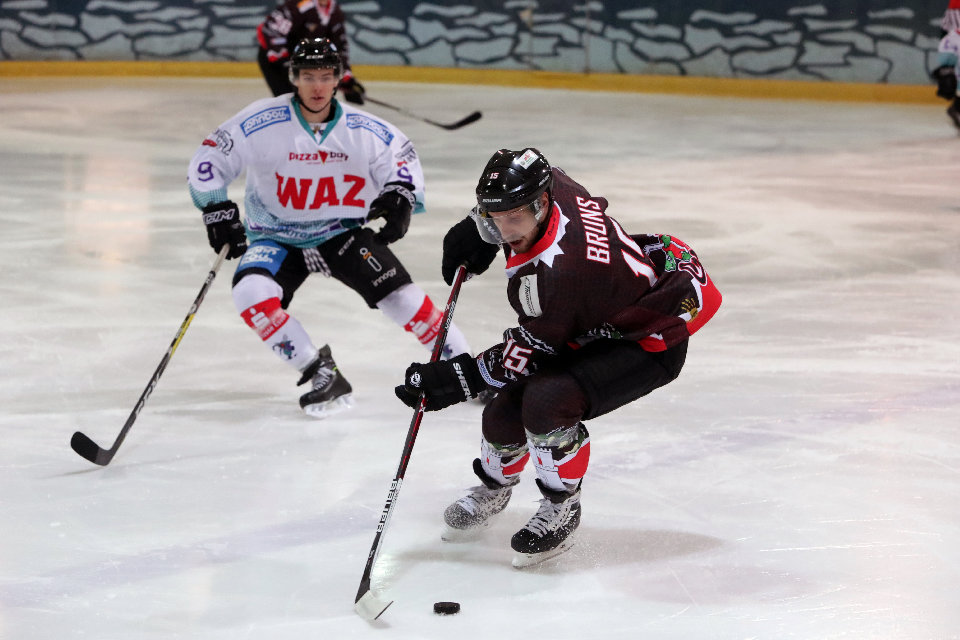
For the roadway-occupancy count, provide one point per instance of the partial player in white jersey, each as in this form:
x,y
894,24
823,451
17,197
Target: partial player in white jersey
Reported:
x,y
317,171
945,74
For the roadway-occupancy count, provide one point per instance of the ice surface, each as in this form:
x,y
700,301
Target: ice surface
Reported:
x,y
801,479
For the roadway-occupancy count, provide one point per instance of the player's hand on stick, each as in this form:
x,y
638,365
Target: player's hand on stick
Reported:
x,y
394,204
224,227
463,246
444,383
946,78
352,90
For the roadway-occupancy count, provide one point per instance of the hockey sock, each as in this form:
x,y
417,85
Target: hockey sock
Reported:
x,y
262,312
561,456
503,463
413,310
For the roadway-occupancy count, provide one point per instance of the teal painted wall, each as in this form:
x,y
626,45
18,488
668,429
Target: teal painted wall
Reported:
x,y
877,41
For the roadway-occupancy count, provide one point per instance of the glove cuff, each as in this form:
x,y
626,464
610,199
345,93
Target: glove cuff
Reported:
x,y
403,189
220,212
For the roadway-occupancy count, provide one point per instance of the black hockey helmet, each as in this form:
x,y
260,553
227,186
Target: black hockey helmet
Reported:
x,y
512,179
315,53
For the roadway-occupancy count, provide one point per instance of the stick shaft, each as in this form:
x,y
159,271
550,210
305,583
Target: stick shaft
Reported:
x,y
473,117
409,442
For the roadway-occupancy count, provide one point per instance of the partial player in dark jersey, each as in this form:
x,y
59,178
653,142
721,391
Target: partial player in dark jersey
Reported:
x,y
604,318
293,21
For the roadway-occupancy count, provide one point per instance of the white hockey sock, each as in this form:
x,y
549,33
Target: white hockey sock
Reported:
x,y
503,464
413,310
257,299
561,456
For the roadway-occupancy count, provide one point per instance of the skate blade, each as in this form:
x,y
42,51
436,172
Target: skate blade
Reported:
x,y
322,410
449,534
524,560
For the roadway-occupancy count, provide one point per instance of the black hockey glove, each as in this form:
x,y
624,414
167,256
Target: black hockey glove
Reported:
x,y
463,245
394,205
445,382
946,79
352,90
224,227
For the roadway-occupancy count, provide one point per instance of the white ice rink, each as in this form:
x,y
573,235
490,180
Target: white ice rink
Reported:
x,y
801,478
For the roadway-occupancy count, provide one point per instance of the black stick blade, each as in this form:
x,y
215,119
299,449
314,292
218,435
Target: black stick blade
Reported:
x,y
473,117
89,449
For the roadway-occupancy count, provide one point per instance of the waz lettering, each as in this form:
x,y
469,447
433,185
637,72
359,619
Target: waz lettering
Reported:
x,y
296,192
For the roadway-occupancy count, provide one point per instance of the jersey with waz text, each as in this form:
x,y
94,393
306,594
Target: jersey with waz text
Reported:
x,y
295,20
587,279
303,187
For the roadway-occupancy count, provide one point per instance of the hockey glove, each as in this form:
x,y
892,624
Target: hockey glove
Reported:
x,y
394,205
444,383
224,227
463,245
946,79
352,90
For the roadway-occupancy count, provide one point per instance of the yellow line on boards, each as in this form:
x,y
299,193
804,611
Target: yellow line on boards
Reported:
x,y
730,87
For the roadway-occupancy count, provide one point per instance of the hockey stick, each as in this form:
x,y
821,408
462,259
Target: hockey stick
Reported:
x,y
368,605
87,447
473,117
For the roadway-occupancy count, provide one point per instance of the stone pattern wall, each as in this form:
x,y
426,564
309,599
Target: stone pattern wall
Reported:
x,y
876,41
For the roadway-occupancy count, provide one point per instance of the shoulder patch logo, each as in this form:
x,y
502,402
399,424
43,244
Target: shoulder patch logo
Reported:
x,y
265,118
530,296
360,121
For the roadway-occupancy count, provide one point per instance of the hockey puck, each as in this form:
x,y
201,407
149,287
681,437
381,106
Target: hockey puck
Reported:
x,y
446,608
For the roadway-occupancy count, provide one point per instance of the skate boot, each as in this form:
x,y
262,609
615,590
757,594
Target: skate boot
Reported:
x,y
550,531
331,393
470,515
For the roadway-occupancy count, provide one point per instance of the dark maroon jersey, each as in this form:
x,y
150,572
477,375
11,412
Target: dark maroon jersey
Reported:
x,y
587,279
295,20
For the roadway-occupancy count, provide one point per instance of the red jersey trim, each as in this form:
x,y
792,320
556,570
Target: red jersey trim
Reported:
x,y
544,243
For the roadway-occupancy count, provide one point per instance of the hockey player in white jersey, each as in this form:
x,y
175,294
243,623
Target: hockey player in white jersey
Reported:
x,y
317,170
948,68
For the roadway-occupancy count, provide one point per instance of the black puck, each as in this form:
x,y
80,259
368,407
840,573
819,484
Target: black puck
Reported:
x,y
446,608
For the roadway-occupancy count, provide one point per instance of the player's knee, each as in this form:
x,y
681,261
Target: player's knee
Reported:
x,y
552,400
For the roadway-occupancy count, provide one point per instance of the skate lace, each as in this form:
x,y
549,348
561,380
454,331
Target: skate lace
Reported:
x,y
548,517
322,377
479,499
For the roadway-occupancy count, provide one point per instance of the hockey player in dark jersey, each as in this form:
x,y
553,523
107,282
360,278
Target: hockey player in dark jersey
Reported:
x,y
604,319
288,24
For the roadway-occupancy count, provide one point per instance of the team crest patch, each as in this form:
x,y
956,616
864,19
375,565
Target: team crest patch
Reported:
x,y
360,121
265,118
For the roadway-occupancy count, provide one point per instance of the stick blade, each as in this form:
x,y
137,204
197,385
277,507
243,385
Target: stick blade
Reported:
x,y
470,119
89,449
370,607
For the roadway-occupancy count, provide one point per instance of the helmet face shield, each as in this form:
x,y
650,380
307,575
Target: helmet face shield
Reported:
x,y
505,227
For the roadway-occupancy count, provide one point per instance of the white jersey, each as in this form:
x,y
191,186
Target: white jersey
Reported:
x,y
304,186
949,50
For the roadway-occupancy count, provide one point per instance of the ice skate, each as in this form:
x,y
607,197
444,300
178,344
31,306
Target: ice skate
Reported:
x,y
550,531
331,393
470,515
